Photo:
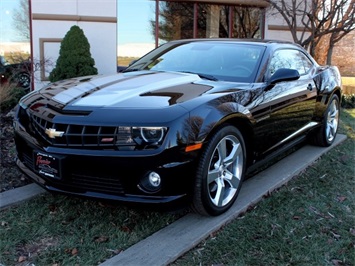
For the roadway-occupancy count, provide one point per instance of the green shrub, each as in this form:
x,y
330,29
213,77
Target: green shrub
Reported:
x,y
74,57
348,101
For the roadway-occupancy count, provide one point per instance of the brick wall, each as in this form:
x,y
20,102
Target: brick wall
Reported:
x,y
344,55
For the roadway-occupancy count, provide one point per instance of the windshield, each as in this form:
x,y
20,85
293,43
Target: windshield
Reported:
x,y
213,60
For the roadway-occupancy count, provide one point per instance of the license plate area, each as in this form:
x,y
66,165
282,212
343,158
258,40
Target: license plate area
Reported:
x,y
47,165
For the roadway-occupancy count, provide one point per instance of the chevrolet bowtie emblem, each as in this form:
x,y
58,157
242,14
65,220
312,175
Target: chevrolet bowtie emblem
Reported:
x,y
53,133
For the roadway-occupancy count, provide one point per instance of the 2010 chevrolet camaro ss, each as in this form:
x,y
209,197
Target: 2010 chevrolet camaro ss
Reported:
x,y
185,121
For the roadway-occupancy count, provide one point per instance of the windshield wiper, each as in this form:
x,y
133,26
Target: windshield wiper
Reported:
x,y
201,75
131,70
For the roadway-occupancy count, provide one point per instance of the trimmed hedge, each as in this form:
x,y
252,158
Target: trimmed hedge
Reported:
x,y
74,57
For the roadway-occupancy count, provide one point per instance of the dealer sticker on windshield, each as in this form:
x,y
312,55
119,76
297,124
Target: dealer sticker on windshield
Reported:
x,y
47,165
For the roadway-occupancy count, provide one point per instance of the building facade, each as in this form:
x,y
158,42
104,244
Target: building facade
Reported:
x,y
117,29
51,20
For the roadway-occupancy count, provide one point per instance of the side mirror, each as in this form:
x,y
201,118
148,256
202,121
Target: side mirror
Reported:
x,y
284,74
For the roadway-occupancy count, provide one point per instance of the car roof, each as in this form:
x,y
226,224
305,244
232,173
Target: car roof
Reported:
x,y
263,42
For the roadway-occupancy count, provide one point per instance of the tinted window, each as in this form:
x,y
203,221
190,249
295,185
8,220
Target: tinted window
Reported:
x,y
288,58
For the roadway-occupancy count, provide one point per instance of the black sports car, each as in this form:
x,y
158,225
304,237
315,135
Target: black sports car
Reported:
x,y
184,122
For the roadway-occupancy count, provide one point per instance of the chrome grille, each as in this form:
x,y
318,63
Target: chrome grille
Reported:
x,y
84,135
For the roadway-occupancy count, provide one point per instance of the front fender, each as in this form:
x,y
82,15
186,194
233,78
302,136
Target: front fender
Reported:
x,y
328,82
205,118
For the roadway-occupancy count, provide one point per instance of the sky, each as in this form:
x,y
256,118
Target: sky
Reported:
x,y
133,27
7,33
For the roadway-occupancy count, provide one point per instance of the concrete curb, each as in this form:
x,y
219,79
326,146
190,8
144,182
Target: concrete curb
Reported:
x,y
15,196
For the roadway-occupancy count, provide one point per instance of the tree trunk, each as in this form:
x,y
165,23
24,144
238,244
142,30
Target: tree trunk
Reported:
x,y
330,53
321,50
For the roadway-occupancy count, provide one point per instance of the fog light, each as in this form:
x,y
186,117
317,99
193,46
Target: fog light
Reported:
x,y
154,179
150,183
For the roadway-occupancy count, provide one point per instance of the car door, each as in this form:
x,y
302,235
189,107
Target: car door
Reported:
x,y
292,103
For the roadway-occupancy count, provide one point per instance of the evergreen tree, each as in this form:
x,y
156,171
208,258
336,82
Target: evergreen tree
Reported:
x,y
74,57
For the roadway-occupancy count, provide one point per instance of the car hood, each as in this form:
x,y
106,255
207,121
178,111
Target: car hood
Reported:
x,y
143,89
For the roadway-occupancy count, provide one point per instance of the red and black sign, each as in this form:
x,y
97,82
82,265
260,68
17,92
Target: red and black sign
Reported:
x,y
47,165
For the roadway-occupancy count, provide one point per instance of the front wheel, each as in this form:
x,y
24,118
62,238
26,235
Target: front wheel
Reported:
x,y
326,134
220,172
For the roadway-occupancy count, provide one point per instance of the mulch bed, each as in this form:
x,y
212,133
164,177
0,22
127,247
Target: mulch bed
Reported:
x,y
10,175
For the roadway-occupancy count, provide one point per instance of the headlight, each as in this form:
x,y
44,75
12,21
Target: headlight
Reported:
x,y
148,135
142,137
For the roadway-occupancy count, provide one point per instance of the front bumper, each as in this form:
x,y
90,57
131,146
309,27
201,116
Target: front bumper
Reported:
x,y
108,174
97,195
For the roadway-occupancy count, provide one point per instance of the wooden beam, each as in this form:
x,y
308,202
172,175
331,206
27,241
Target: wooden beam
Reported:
x,y
253,3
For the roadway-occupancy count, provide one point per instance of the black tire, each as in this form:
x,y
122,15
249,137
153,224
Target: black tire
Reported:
x,y
24,80
325,135
220,172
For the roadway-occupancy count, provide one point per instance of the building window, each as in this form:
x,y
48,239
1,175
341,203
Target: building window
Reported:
x,y
135,33
181,20
140,33
176,21
247,22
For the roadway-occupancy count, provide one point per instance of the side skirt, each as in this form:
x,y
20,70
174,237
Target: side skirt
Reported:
x,y
275,156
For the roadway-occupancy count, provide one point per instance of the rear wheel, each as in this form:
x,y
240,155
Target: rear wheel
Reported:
x,y
220,172
326,134
24,80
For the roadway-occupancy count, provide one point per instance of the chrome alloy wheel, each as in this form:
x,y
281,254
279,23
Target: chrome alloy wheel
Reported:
x,y
225,171
332,120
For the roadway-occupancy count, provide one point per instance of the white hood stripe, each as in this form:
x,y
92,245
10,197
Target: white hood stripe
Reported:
x,y
68,95
134,87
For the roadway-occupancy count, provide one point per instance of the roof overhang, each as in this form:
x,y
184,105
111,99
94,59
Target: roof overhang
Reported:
x,y
254,3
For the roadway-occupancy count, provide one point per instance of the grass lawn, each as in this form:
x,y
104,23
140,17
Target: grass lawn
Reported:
x,y
310,221
125,61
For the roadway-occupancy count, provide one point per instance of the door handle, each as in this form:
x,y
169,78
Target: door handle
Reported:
x,y
310,87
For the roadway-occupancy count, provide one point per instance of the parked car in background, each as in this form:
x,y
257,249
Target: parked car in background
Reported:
x,y
187,121
19,73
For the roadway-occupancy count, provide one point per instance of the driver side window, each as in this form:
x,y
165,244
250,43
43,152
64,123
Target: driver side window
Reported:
x,y
289,58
